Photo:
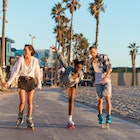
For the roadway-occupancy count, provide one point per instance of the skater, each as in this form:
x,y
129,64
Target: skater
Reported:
x,y
28,70
75,74
101,69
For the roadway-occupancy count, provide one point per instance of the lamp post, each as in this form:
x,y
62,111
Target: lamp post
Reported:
x,y
32,37
3,33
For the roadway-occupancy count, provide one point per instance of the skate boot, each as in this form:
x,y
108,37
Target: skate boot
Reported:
x,y
20,119
30,123
101,119
70,125
108,120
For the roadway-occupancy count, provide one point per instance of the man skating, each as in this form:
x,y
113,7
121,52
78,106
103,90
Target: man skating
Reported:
x,y
101,69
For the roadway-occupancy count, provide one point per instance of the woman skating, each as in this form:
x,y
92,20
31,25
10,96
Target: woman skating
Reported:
x,y
73,77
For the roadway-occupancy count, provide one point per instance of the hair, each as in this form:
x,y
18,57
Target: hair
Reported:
x,y
77,62
92,47
31,48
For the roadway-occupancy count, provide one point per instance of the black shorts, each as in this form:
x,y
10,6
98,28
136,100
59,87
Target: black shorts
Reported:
x,y
26,83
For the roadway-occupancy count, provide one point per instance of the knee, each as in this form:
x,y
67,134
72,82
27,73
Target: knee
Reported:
x,y
29,102
100,102
22,102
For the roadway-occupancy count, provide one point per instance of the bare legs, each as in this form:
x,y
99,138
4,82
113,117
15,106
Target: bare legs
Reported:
x,y
71,95
108,104
22,96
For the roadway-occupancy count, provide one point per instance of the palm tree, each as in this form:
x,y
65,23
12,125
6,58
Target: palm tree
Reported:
x,y
72,5
133,52
57,13
80,49
95,9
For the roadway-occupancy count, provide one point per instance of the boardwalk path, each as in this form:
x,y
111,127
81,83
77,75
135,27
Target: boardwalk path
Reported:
x,y
50,117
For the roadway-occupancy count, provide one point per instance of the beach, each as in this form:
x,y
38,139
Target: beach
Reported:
x,y
125,101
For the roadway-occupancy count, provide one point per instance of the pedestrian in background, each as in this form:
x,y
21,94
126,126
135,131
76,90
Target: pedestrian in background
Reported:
x,y
28,70
71,77
101,69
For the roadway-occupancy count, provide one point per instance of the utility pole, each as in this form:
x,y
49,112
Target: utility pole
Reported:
x,y
3,33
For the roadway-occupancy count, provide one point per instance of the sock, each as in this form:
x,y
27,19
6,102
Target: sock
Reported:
x,y
70,118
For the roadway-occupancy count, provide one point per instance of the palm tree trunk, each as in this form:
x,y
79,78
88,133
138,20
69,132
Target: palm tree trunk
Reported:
x,y
133,72
56,68
97,31
3,33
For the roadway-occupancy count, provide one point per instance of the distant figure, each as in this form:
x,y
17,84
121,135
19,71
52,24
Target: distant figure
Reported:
x,y
101,69
28,69
71,77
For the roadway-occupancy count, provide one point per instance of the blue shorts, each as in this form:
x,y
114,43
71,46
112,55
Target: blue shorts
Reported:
x,y
103,90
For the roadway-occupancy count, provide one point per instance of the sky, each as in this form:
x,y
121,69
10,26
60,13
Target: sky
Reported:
x,y
119,26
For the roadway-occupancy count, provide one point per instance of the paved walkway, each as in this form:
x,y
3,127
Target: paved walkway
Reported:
x,y
50,117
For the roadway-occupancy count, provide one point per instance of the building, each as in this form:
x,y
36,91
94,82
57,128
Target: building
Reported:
x,y
39,54
8,46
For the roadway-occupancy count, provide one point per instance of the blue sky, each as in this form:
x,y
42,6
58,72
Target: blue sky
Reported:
x,y
119,26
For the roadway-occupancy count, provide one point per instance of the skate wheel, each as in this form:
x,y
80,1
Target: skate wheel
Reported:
x,y
107,125
17,126
102,126
70,127
31,128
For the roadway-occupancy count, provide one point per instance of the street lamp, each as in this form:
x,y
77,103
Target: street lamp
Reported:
x,y
33,37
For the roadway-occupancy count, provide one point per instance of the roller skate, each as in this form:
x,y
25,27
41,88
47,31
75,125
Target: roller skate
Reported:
x,y
101,120
30,123
20,120
108,120
70,125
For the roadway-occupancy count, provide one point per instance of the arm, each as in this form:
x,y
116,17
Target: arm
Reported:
x,y
91,71
60,57
15,72
38,75
108,69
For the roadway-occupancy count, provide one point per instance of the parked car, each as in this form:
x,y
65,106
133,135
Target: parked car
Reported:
x,y
86,82
49,82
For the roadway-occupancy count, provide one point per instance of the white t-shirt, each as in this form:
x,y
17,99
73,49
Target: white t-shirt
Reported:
x,y
99,75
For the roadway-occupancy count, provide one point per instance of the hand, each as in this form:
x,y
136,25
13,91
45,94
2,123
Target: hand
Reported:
x,y
5,85
104,80
54,48
38,89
